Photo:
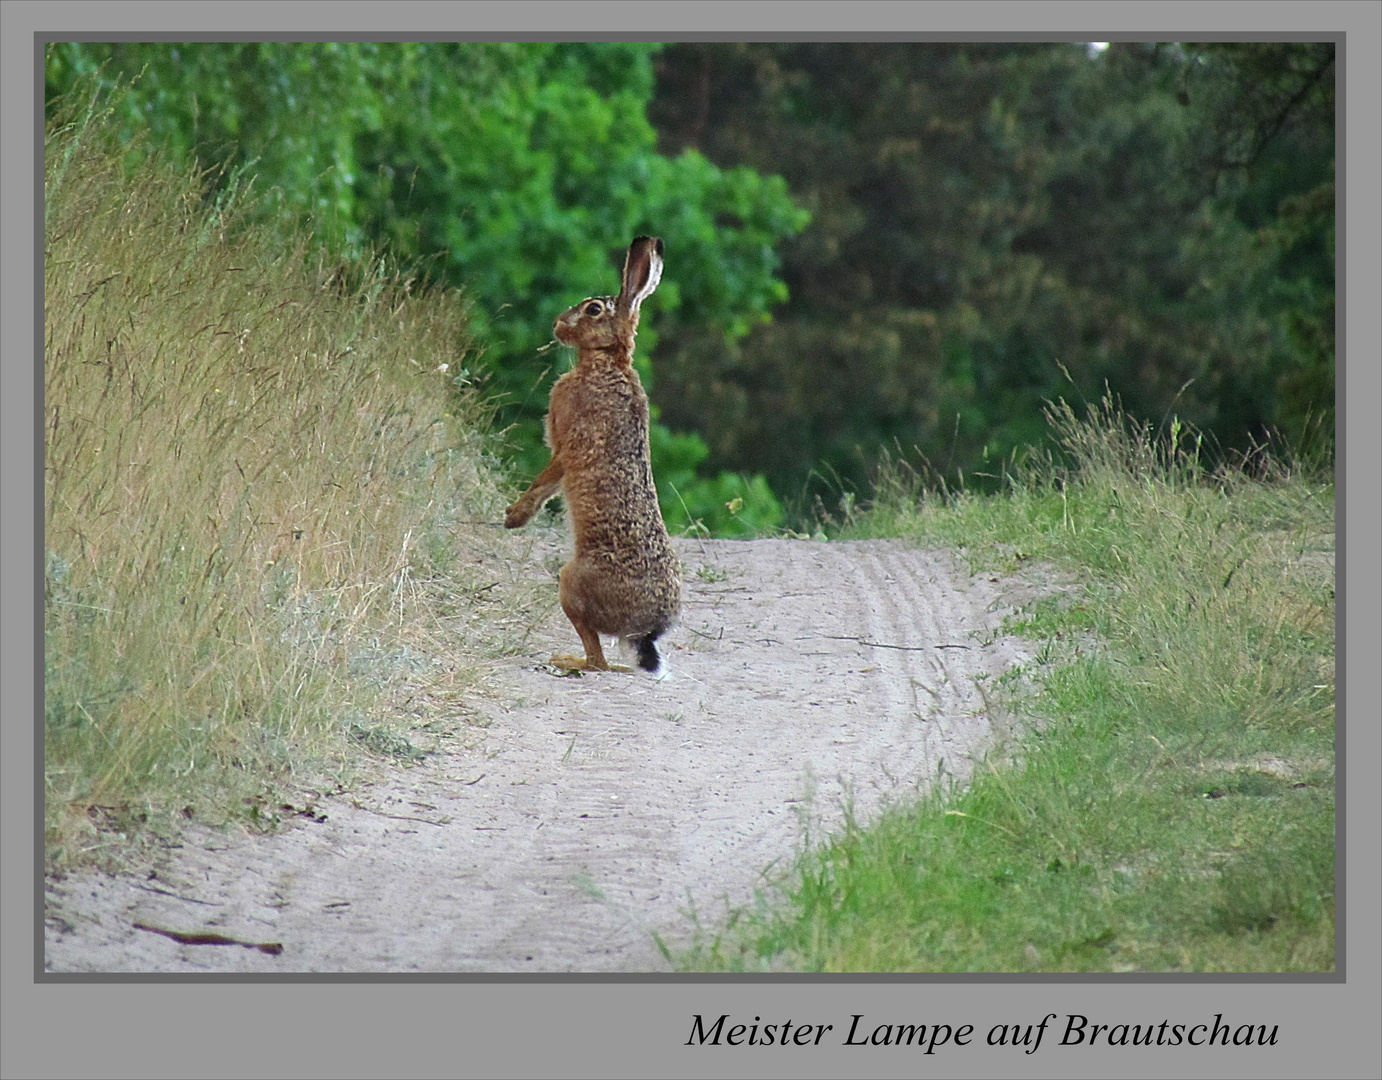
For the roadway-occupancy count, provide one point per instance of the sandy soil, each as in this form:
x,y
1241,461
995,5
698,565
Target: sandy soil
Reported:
x,y
600,808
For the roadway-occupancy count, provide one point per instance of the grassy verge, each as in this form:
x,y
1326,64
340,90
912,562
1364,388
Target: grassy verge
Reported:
x,y
261,478
1171,803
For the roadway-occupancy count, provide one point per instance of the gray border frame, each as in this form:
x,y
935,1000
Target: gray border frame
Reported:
x,y
612,1029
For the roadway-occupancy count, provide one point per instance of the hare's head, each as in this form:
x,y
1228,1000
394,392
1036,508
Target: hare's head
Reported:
x,y
607,323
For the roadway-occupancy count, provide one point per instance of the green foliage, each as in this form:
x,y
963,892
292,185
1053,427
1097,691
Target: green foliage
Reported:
x,y
994,223
729,504
1169,801
517,171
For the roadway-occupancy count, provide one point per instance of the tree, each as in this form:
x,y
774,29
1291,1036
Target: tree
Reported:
x,y
1269,110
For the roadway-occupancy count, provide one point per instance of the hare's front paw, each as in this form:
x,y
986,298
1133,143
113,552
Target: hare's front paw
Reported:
x,y
517,515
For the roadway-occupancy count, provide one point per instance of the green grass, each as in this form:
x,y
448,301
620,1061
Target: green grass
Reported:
x,y
260,470
1169,805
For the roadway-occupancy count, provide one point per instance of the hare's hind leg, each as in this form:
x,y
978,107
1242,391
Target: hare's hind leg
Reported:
x,y
594,654
571,603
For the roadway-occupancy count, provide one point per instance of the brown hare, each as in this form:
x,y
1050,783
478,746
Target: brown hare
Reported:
x,y
624,579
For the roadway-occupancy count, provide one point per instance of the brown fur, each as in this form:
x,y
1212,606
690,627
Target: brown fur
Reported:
x,y
624,579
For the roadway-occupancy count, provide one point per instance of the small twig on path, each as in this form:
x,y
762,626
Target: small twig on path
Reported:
x,y
398,817
273,948
175,896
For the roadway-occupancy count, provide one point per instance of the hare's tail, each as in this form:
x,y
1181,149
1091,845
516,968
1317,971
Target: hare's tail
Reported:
x,y
649,659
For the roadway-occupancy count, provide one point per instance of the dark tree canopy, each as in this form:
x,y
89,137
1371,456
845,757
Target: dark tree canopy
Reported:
x,y
991,223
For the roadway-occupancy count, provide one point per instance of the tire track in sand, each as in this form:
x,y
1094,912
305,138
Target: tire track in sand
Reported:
x,y
806,676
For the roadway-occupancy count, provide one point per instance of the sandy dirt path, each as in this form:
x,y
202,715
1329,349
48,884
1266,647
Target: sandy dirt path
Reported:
x,y
598,808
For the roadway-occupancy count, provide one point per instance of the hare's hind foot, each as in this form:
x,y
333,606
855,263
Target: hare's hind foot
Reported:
x,y
577,663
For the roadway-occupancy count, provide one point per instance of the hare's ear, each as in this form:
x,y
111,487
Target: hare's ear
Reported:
x,y
642,272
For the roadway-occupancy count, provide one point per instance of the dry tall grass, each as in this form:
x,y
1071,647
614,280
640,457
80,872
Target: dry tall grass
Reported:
x,y
254,461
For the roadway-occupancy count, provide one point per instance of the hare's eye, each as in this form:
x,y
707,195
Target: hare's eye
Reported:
x,y
594,309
